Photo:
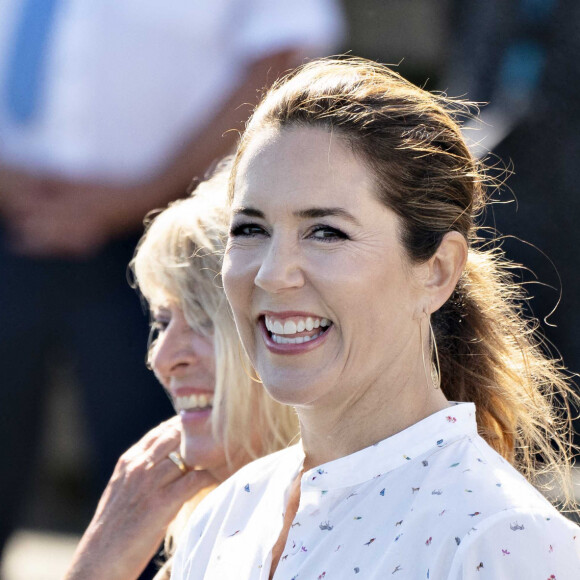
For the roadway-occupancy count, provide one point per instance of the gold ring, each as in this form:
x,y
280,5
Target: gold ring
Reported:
x,y
178,461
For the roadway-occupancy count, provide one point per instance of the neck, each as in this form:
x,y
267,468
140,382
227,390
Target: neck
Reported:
x,y
377,412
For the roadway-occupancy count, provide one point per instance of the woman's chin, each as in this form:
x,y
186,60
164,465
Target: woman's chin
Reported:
x,y
202,453
293,389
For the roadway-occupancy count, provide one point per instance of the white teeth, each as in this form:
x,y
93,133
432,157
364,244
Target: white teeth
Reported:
x,y
298,340
296,325
193,402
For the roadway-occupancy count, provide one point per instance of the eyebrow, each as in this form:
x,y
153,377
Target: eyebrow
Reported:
x,y
249,211
320,212
308,213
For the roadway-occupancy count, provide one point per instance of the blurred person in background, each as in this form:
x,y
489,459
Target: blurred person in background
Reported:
x,y
107,109
521,58
226,419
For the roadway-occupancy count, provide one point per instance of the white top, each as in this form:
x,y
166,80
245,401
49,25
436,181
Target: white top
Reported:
x,y
128,81
431,502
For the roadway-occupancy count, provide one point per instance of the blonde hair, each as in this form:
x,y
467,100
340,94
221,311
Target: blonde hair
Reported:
x,y
412,142
179,259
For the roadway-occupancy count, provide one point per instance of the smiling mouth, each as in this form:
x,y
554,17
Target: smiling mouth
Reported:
x,y
193,403
296,330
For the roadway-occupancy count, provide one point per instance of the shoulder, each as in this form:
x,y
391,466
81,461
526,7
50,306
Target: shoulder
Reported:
x,y
250,479
499,522
472,475
258,473
520,543
229,508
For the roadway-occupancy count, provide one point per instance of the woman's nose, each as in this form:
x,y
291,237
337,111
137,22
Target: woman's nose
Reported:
x,y
280,268
174,351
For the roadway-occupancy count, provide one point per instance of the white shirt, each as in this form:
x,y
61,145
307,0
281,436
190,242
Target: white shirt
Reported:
x,y
434,501
127,82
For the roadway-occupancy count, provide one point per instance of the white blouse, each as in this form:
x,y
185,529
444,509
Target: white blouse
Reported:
x,y
434,501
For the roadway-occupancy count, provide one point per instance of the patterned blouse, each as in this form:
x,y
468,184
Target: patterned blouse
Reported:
x,y
434,501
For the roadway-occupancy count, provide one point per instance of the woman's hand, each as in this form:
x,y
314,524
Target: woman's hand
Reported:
x,y
143,495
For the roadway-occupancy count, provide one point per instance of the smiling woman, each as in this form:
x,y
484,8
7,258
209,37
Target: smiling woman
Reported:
x,y
354,202
346,268
225,419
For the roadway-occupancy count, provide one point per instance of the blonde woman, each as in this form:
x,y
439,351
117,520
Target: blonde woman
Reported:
x,y
364,300
225,418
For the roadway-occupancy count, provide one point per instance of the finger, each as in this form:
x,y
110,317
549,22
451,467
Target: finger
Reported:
x,y
177,460
143,449
190,484
166,443
166,428
159,472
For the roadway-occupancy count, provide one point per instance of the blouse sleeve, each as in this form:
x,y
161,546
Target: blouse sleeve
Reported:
x,y
517,544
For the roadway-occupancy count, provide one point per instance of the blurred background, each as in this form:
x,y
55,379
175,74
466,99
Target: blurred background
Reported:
x,y
74,390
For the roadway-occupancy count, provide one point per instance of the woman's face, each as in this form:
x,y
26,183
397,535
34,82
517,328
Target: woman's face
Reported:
x,y
321,289
184,362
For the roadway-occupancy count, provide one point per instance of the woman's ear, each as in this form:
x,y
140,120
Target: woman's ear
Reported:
x,y
444,269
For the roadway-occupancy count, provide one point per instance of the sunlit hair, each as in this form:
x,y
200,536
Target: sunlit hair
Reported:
x,y
411,141
179,260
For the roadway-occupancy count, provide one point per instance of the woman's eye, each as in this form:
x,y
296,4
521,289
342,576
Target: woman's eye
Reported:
x,y
327,234
158,326
246,230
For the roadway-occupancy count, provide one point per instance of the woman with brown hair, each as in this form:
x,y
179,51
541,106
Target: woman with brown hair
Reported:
x,y
366,300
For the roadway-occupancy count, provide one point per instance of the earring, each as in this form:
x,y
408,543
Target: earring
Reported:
x,y
435,365
434,377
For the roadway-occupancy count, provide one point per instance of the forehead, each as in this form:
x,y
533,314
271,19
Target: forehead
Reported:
x,y
301,165
162,300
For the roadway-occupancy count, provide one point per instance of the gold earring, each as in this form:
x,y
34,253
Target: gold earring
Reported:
x,y
435,365
422,346
434,377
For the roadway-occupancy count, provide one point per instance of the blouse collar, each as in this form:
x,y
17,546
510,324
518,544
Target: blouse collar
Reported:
x,y
435,431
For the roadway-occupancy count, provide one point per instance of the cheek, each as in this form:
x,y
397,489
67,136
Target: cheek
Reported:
x,y
373,295
229,275
210,365
205,349
155,359
237,280
237,289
